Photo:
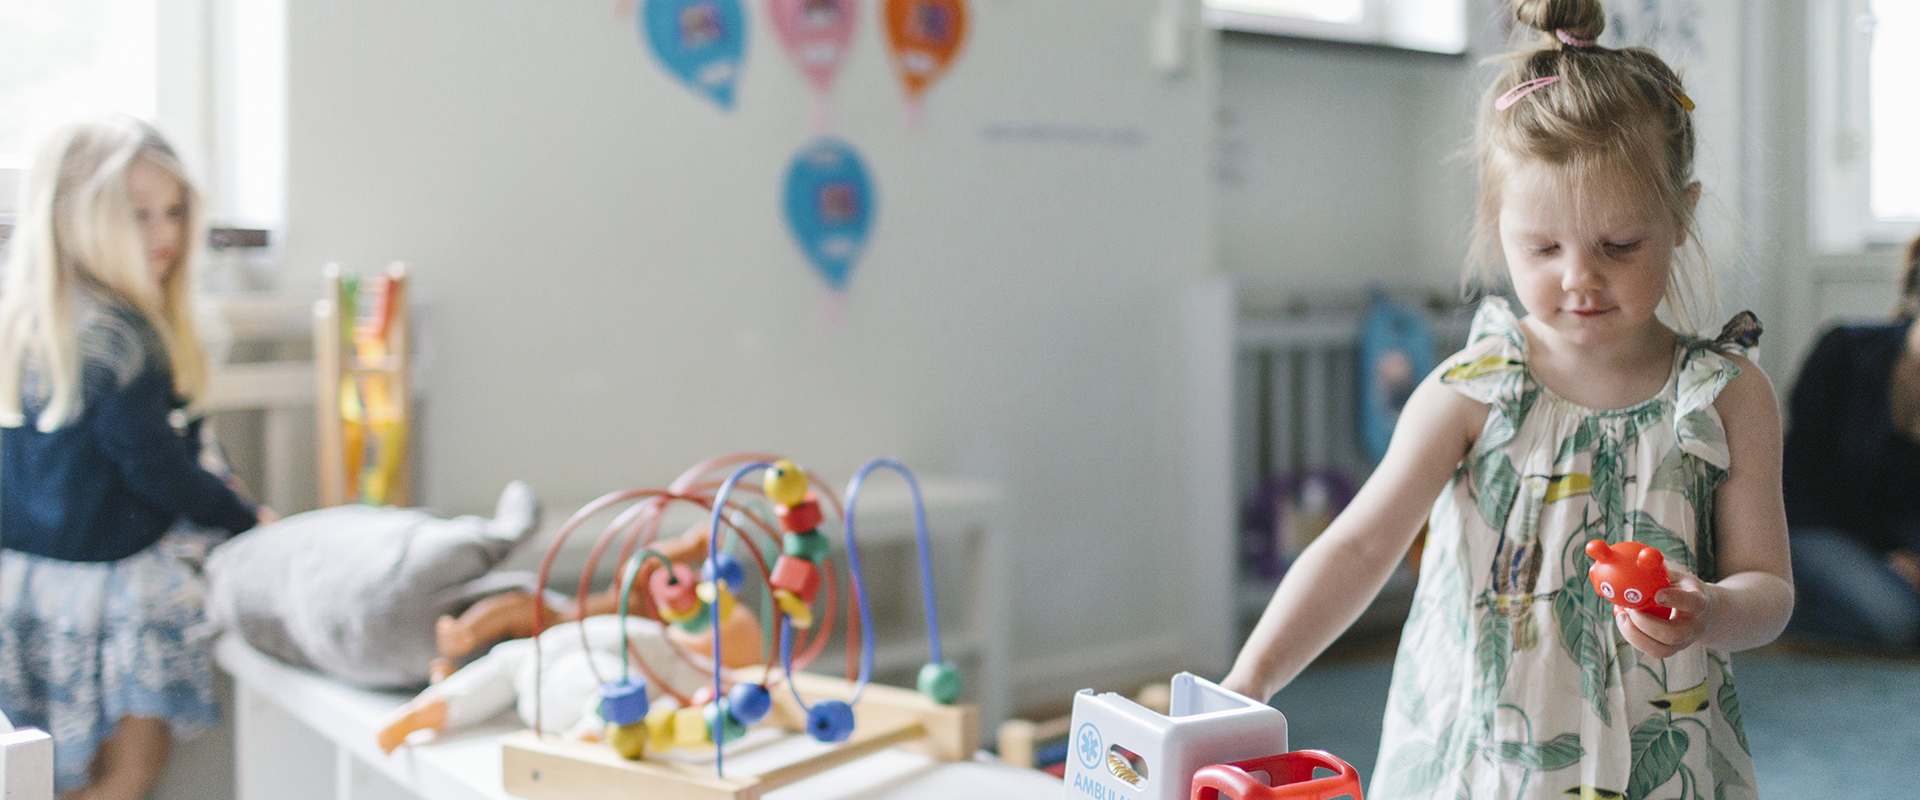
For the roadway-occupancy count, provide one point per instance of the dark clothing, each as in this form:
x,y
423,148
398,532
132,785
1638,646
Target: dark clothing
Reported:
x,y
110,483
1846,467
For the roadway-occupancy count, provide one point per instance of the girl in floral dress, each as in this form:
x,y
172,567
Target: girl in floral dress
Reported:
x,y
1588,418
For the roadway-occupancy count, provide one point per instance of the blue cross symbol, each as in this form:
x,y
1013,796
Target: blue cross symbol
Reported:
x,y
1087,742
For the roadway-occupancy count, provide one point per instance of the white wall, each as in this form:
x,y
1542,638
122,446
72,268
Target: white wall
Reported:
x,y
1341,168
1333,171
615,295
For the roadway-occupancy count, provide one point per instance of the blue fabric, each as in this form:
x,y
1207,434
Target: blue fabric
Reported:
x,y
1844,592
84,644
1846,468
110,483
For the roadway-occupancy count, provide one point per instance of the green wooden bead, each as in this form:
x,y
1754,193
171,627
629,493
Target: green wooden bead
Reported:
x,y
698,623
730,728
940,682
812,545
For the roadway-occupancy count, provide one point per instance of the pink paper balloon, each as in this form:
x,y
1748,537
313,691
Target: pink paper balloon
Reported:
x,y
816,35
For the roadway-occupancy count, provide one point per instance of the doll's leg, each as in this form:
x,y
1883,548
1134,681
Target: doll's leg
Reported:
x,y
129,762
473,693
422,713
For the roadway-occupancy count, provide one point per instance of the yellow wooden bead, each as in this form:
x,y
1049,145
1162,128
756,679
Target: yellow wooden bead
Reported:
x,y
786,483
659,724
795,608
690,728
630,741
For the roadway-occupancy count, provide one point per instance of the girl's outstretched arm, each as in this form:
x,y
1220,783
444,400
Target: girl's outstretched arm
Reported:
x,y
1751,602
1338,575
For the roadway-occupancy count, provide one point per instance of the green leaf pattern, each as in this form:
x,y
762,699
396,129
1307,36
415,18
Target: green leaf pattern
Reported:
x,y
1575,709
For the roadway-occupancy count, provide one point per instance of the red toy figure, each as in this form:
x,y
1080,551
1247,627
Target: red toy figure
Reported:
x,y
1629,573
1290,777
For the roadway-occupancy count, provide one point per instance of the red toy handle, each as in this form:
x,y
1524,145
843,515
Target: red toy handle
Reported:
x,y
1291,775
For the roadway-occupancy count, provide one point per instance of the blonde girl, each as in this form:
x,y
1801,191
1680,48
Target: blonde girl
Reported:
x,y
1586,418
98,355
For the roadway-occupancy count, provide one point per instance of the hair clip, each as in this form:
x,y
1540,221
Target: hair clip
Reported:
x,y
1514,94
1685,101
1569,40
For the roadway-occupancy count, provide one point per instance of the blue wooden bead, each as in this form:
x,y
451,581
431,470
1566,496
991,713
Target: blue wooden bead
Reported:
x,y
623,701
749,702
830,721
940,682
727,568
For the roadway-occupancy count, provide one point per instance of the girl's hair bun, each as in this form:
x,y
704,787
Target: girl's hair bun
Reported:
x,y
1581,19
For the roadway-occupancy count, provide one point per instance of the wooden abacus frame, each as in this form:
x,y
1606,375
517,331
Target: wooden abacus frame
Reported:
x,y
336,361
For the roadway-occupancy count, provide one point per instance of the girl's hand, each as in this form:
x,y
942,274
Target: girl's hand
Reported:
x,y
1694,603
266,516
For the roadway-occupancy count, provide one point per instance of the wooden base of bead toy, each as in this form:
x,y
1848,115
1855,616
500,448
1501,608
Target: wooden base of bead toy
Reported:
x,y
551,768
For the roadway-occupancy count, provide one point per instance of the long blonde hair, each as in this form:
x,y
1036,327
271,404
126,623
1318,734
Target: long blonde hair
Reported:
x,y
75,234
1607,114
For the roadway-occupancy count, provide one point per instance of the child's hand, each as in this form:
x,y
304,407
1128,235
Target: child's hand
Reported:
x,y
266,516
1693,602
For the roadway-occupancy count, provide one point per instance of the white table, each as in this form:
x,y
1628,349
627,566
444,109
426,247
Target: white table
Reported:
x,y
299,735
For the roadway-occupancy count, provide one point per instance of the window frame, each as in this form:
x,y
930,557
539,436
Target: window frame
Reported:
x,y
1839,136
1377,26
227,123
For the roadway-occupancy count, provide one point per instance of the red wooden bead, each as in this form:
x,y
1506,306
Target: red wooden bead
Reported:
x,y
802,516
675,600
795,582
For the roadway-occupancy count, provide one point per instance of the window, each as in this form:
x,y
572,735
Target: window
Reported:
x,y
209,73
62,60
1438,26
1864,115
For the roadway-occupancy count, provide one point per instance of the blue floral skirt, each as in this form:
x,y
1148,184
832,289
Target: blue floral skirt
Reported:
x,y
83,644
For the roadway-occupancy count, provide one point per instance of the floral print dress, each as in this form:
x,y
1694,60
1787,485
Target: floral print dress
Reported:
x,y
1512,680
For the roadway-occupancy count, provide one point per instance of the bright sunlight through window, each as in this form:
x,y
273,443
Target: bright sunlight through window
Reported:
x,y
60,60
1895,104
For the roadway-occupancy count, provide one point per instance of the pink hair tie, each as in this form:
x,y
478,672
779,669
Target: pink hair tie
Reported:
x,y
1514,94
1567,38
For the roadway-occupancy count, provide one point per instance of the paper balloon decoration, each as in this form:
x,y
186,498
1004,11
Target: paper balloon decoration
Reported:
x,y
925,36
816,34
829,207
700,41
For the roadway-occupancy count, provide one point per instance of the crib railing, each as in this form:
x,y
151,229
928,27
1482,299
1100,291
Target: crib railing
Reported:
x,y
1295,404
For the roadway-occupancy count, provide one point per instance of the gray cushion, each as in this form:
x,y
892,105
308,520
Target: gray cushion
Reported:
x,y
354,591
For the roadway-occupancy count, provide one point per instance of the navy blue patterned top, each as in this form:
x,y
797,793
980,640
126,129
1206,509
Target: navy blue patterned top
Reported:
x,y
112,482
1846,466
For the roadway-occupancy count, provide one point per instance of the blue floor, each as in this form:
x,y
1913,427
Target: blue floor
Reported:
x,y
1821,726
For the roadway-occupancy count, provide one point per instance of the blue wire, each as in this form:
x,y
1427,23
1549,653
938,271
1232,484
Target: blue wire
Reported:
x,y
926,568
713,552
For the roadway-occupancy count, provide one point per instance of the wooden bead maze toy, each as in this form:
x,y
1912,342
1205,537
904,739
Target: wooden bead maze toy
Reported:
x,y
662,749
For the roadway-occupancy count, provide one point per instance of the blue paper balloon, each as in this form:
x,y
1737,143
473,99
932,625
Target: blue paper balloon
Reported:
x,y
829,207
701,41
1396,352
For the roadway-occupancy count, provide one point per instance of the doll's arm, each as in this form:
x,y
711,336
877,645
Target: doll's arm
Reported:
x,y
497,617
1750,604
509,615
1338,575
